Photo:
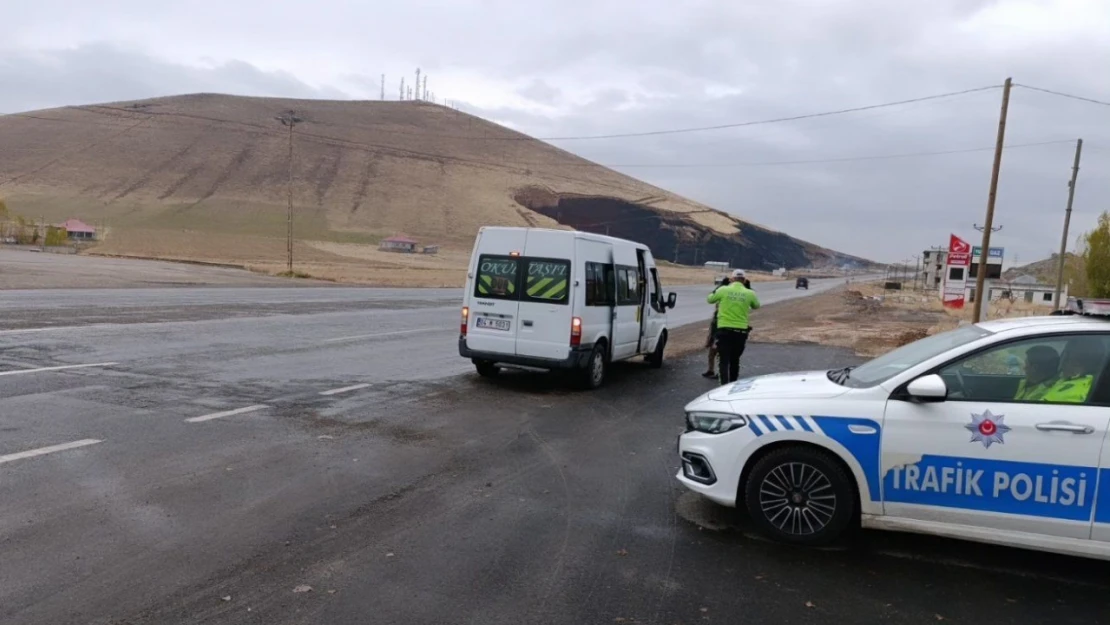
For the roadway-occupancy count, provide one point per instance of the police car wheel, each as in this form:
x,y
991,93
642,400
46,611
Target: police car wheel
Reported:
x,y
800,495
487,369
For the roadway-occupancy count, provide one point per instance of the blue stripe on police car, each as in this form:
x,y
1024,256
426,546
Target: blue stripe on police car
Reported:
x,y
1003,486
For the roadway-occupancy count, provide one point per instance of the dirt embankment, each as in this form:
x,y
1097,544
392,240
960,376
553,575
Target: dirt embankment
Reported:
x,y
857,318
860,318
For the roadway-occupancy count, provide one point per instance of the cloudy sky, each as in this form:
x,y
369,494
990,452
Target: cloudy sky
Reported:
x,y
856,182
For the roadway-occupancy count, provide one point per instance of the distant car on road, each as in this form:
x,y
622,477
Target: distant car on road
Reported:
x,y
802,283
941,436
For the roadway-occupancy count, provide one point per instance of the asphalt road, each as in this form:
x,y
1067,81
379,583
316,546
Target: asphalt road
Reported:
x,y
222,339
227,458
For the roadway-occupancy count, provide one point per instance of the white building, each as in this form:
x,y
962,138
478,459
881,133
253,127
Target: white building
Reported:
x,y
1019,290
932,268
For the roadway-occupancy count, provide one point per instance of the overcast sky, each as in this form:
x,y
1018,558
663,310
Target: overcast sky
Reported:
x,y
577,67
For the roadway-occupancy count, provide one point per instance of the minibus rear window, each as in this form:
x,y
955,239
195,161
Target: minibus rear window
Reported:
x,y
497,277
547,280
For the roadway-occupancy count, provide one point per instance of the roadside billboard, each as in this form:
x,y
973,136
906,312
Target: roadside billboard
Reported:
x,y
956,270
995,255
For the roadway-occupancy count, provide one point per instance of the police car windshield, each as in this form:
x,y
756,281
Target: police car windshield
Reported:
x,y
892,363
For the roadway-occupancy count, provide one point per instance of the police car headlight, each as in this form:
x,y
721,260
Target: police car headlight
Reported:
x,y
715,422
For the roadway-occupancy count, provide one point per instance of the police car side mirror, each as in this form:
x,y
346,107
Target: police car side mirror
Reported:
x,y
672,299
928,388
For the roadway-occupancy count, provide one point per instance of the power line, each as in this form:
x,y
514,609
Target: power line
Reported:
x,y
521,166
845,159
352,144
524,137
773,120
1063,95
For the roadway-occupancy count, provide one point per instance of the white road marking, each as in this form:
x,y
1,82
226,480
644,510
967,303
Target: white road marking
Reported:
x,y
31,453
25,331
397,333
19,371
226,413
336,391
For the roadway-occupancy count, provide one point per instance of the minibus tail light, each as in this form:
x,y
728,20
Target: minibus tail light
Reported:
x,y
576,331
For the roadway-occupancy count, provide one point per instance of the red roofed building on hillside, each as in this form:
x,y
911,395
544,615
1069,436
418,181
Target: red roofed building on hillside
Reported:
x,y
397,244
77,229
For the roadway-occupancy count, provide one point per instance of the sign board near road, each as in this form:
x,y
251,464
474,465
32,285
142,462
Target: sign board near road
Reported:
x,y
955,274
996,252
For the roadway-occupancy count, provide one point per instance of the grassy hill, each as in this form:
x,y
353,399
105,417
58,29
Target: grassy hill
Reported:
x,y
203,177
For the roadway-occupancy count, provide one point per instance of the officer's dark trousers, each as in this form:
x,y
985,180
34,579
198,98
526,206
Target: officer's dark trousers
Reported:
x,y
730,346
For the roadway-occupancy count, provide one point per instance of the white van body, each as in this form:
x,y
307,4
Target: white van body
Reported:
x,y
552,299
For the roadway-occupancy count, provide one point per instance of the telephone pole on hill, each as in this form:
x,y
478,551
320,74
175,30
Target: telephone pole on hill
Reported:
x,y
289,119
1067,222
984,252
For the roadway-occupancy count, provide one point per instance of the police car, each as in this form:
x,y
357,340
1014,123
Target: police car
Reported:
x,y
993,432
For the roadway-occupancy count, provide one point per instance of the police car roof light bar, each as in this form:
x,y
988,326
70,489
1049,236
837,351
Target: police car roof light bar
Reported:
x,y
1088,307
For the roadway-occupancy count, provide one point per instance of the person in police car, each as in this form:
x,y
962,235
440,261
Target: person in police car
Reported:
x,y
1042,365
1081,362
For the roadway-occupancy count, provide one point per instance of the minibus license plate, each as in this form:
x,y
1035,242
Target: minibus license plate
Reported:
x,y
493,324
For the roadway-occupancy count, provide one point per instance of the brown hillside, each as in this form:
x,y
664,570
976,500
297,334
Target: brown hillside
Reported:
x,y
1045,271
204,177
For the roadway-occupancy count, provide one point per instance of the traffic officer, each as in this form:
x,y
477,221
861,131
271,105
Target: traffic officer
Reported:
x,y
1082,359
734,302
1041,365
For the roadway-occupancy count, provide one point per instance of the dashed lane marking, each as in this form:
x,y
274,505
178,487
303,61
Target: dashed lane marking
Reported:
x,y
345,389
41,451
226,413
397,333
59,368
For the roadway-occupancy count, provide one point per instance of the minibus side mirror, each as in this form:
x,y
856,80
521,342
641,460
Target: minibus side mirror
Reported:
x,y
672,299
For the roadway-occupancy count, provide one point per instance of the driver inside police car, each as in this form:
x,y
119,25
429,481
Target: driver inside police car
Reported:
x,y
1082,359
1042,364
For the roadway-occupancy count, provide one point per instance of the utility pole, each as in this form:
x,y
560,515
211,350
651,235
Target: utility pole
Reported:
x,y
402,95
425,88
1067,222
383,86
916,271
980,278
417,83
289,119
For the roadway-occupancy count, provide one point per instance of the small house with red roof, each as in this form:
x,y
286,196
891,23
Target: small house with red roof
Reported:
x,y
78,230
398,244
